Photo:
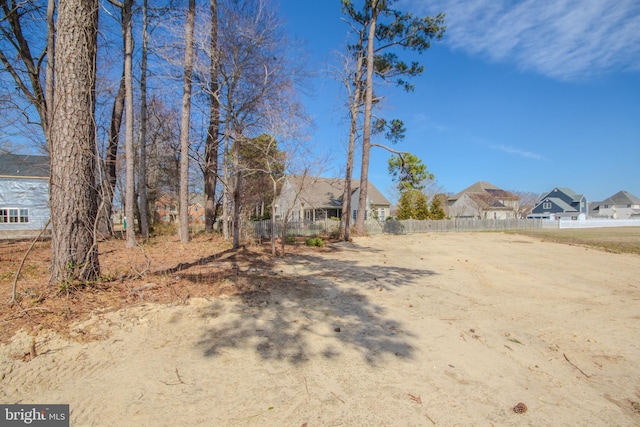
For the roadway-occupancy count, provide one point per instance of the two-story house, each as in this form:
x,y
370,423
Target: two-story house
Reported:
x,y
560,203
622,205
483,200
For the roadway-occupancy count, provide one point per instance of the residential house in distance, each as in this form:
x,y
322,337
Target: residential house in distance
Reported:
x,y
196,208
313,198
166,209
483,200
560,203
24,194
622,205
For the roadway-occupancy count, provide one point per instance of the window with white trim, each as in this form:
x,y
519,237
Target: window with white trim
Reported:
x,y
14,216
546,205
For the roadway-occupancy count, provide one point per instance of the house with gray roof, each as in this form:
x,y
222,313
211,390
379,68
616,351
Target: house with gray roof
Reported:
x,y
24,194
315,198
483,200
560,203
622,205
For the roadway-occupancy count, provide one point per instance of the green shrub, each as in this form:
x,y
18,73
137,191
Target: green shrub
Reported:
x,y
314,241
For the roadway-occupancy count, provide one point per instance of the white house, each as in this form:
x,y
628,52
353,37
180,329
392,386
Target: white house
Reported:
x,y
24,194
314,198
622,205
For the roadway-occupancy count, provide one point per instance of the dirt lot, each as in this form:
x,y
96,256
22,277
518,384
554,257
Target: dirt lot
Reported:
x,y
435,329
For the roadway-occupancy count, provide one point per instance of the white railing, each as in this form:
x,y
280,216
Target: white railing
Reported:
x,y
595,223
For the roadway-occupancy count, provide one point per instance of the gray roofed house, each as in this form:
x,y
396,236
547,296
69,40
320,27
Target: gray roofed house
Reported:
x,y
622,205
560,203
316,198
24,194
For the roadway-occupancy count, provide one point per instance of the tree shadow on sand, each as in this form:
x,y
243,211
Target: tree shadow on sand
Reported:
x,y
322,308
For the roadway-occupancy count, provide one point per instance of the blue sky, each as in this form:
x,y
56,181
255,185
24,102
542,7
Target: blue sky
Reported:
x,y
527,95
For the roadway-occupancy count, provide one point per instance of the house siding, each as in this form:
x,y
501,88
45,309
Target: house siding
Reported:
x,y
564,203
320,198
26,193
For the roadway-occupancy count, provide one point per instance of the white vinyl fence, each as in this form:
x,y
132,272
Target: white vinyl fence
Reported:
x,y
594,223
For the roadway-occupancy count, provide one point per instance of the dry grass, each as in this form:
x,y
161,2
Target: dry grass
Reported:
x,y
162,271
615,239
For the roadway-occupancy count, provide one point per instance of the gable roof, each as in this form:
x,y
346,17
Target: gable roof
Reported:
x,y
561,204
622,198
486,195
24,166
321,192
478,187
572,194
483,187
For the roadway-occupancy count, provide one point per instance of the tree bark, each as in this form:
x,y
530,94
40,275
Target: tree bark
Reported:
x,y
184,123
366,133
354,110
130,193
49,72
142,165
73,192
212,143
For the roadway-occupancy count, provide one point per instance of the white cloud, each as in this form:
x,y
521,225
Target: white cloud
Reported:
x,y
518,152
562,39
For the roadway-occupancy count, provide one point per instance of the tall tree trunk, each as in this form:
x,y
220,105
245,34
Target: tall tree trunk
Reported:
x,y
111,160
73,192
142,167
354,110
212,144
237,192
366,133
130,193
225,189
49,73
184,124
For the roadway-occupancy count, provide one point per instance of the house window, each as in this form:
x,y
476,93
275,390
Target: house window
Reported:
x,y
14,216
355,214
546,205
381,214
606,206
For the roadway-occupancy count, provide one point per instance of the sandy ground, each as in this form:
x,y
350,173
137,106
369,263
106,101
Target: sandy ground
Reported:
x,y
436,329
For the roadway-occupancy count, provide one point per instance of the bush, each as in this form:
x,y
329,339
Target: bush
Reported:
x,y
314,241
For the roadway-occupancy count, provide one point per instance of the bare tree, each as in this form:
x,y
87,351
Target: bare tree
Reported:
x,y
185,123
19,19
130,195
253,71
352,78
527,202
142,161
213,141
72,148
